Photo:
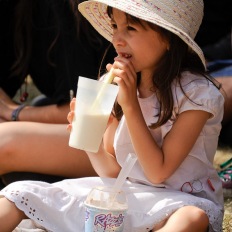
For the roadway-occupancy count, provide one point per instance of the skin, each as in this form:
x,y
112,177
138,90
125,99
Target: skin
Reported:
x,y
40,125
10,216
158,163
54,156
24,151
44,114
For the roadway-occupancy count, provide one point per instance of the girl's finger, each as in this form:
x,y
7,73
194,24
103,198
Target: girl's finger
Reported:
x,y
72,104
70,116
108,67
125,64
69,127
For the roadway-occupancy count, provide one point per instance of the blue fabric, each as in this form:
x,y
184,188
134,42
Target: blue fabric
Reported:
x,y
220,68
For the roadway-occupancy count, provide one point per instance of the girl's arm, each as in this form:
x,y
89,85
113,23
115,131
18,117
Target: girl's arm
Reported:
x,y
160,163
104,161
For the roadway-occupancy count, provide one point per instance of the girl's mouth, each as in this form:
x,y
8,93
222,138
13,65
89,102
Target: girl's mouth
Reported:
x,y
125,55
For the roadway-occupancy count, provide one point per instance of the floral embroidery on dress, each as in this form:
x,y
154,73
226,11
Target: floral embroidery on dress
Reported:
x,y
25,202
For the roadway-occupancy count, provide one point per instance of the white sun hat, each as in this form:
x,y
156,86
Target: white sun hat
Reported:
x,y
182,17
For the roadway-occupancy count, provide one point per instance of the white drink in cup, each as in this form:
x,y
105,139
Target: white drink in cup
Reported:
x,y
94,103
105,210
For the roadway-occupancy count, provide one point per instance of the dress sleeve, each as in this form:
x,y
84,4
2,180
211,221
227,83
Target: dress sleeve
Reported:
x,y
198,95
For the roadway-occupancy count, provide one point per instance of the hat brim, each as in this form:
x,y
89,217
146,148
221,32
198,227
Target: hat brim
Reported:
x,y
95,11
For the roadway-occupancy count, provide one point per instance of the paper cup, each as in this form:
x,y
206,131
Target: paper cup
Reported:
x,y
105,211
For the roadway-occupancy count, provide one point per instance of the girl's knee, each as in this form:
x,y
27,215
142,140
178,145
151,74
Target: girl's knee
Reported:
x,y
199,215
195,217
187,218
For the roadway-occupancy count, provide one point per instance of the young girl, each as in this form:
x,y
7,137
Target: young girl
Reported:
x,y
168,113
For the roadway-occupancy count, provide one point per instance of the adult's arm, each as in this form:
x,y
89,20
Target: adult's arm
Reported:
x,y
47,114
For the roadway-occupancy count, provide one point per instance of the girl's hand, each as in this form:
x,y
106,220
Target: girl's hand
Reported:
x,y
126,79
71,114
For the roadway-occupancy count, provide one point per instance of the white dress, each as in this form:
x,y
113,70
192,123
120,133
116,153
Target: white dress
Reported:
x,y
59,207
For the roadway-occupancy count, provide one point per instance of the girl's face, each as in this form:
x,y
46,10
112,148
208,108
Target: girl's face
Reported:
x,y
142,45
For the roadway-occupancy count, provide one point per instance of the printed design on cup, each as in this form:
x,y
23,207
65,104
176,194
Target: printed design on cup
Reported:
x,y
87,213
106,221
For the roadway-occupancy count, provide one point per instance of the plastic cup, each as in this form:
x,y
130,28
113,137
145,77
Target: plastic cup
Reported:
x,y
105,210
94,103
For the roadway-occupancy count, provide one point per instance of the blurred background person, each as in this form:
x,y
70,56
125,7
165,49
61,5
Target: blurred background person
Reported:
x,y
51,43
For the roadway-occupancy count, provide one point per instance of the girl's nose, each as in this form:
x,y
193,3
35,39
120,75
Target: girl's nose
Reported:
x,y
118,40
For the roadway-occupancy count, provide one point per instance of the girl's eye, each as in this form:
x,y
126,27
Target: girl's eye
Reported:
x,y
130,28
114,26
